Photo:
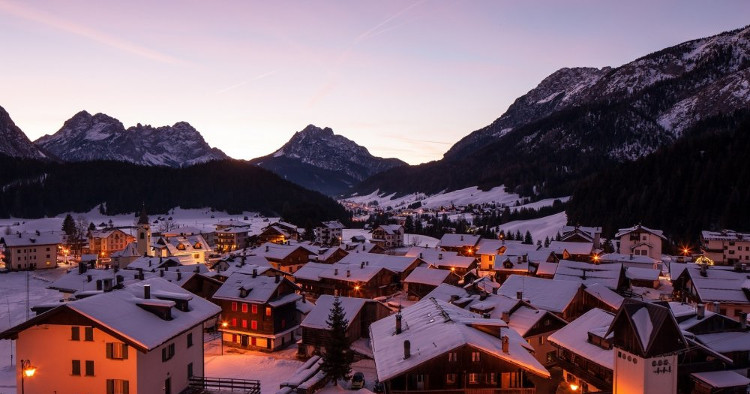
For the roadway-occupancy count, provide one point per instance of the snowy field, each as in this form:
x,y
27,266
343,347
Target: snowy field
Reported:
x,y
470,195
539,228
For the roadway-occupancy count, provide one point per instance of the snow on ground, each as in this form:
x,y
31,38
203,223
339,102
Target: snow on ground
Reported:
x,y
547,202
367,367
409,239
13,311
540,228
470,195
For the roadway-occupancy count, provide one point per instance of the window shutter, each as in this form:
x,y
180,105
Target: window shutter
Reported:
x,y
125,387
110,386
109,349
164,354
124,351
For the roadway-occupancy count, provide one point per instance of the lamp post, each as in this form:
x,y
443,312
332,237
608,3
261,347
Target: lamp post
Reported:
x,y
27,371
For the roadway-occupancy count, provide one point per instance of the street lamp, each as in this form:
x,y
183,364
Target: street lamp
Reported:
x,y
27,371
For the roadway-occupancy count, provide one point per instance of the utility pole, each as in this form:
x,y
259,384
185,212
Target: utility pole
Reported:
x,y
27,295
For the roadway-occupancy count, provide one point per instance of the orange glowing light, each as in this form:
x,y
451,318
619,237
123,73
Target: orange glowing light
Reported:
x,y
573,387
356,288
29,371
224,324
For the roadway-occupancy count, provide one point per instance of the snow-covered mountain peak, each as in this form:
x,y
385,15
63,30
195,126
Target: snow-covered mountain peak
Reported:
x,y
13,142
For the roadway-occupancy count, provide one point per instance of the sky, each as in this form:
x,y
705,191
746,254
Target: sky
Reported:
x,y
403,78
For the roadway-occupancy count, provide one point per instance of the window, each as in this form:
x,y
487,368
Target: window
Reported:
x,y
452,356
255,308
244,308
473,378
75,333
117,386
89,368
117,351
167,352
541,340
268,311
234,322
475,357
283,324
244,323
88,334
450,378
190,370
190,340
234,306
492,378
76,370
254,324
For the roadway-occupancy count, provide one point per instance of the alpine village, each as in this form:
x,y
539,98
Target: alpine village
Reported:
x,y
595,238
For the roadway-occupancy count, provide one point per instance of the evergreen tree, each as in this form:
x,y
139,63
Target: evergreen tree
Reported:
x,y
69,226
546,242
518,236
527,238
337,359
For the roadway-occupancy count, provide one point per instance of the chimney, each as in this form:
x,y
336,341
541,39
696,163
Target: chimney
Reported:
x,y
255,272
398,323
81,268
743,321
494,290
277,278
161,273
179,275
146,292
140,274
243,292
420,255
362,265
407,349
98,284
519,295
88,278
704,270
717,307
700,311
266,248
440,256
348,273
506,344
335,271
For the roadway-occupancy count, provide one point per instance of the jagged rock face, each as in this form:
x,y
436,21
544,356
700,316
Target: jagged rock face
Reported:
x,y
695,80
100,137
13,142
321,160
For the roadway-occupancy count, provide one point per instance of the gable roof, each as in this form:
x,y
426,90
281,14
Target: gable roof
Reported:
x,y
646,329
586,273
427,276
575,337
548,294
260,289
458,240
639,228
577,248
318,316
31,239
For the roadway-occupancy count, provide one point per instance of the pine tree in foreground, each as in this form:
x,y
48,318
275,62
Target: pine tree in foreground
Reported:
x,y
337,358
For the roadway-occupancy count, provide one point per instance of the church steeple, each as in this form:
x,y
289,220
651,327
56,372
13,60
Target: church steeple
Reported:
x,y
144,217
143,243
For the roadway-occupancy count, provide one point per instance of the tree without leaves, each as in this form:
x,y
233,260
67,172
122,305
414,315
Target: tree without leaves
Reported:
x,y
337,358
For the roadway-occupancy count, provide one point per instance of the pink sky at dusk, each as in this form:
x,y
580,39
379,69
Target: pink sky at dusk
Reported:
x,y
406,79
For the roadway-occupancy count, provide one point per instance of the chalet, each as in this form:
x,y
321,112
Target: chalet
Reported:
x,y
146,338
332,255
228,239
104,242
725,288
194,246
463,244
401,265
85,280
582,234
641,241
446,260
600,296
643,277
279,233
30,250
257,311
363,281
389,236
122,258
487,249
610,275
726,247
329,233
284,257
359,313
423,280
561,297
433,346
364,246
578,251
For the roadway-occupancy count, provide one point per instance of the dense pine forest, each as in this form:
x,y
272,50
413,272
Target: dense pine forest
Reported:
x,y
33,188
700,183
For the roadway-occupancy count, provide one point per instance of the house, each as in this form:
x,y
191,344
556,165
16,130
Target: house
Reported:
x,y
446,260
329,233
363,281
194,246
257,311
610,275
641,241
423,280
562,297
433,346
85,280
389,236
631,260
578,251
145,338
643,277
123,257
231,236
582,234
487,249
284,257
463,244
600,296
279,233
105,242
332,255
724,288
359,313
30,250
726,247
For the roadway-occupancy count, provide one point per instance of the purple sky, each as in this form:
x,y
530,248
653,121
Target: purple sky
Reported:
x,y
404,78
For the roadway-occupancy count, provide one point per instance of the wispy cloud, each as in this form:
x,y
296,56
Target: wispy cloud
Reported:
x,y
32,15
383,26
243,83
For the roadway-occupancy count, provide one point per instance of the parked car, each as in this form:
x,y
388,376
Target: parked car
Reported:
x,y
358,381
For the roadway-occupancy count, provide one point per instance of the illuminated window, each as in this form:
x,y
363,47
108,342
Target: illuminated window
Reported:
x,y
234,306
254,325
268,311
450,378
255,308
244,308
475,357
117,351
473,378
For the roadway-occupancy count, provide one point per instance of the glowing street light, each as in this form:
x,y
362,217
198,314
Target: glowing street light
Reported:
x,y
27,371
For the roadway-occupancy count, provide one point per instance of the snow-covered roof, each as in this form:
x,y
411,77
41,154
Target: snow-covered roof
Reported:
x,y
590,231
721,379
118,312
724,235
444,292
31,239
348,273
74,281
427,276
605,295
329,252
635,273
626,231
575,337
334,225
458,240
577,248
440,258
720,284
727,342
492,246
397,264
524,319
391,228
131,250
147,263
434,328
318,317
548,294
627,258
257,289
546,268
588,274
272,251
232,223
